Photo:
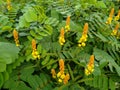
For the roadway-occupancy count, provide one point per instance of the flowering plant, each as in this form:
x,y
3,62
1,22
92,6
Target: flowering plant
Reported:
x,y
59,45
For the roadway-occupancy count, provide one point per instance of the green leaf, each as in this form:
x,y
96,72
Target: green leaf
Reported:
x,y
44,78
48,30
32,82
32,33
111,84
6,28
23,22
21,86
105,83
76,87
95,81
46,60
103,63
29,38
1,80
100,81
97,71
54,14
100,4
52,21
8,83
8,52
6,75
39,81
30,15
104,56
26,72
99,35
2,67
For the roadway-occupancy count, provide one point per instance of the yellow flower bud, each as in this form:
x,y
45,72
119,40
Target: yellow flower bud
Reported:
x,y
58,74
83,44
53,73
79,45
62,76
61,66
15,35
60,80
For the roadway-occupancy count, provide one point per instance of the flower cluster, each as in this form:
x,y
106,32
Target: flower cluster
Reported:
x,y
61,77
62,31
110,16
15,35
9,7
118,16
67,27
35,53
83,39
90,66
115,31
61,37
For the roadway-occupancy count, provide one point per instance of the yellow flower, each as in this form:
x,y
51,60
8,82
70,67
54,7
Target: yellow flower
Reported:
x,y
67,27
83,39
83,44
114,33
61,37
109,20
58,74
62,76
35,53
9,7
118,16
60,80
67,77
53,73
90,66
110,16
15,35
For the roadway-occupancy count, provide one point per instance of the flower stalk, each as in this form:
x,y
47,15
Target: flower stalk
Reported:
x,y
35,53
83,39
109,20
90,66
16,39
67,27
61,77
61,37
115,31
118,16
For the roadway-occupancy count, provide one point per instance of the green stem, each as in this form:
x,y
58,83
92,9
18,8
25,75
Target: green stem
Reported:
x,y
83,80
71,72
78,63
49,64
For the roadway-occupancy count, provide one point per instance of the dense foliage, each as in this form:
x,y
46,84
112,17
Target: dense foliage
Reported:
x,y
60,44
